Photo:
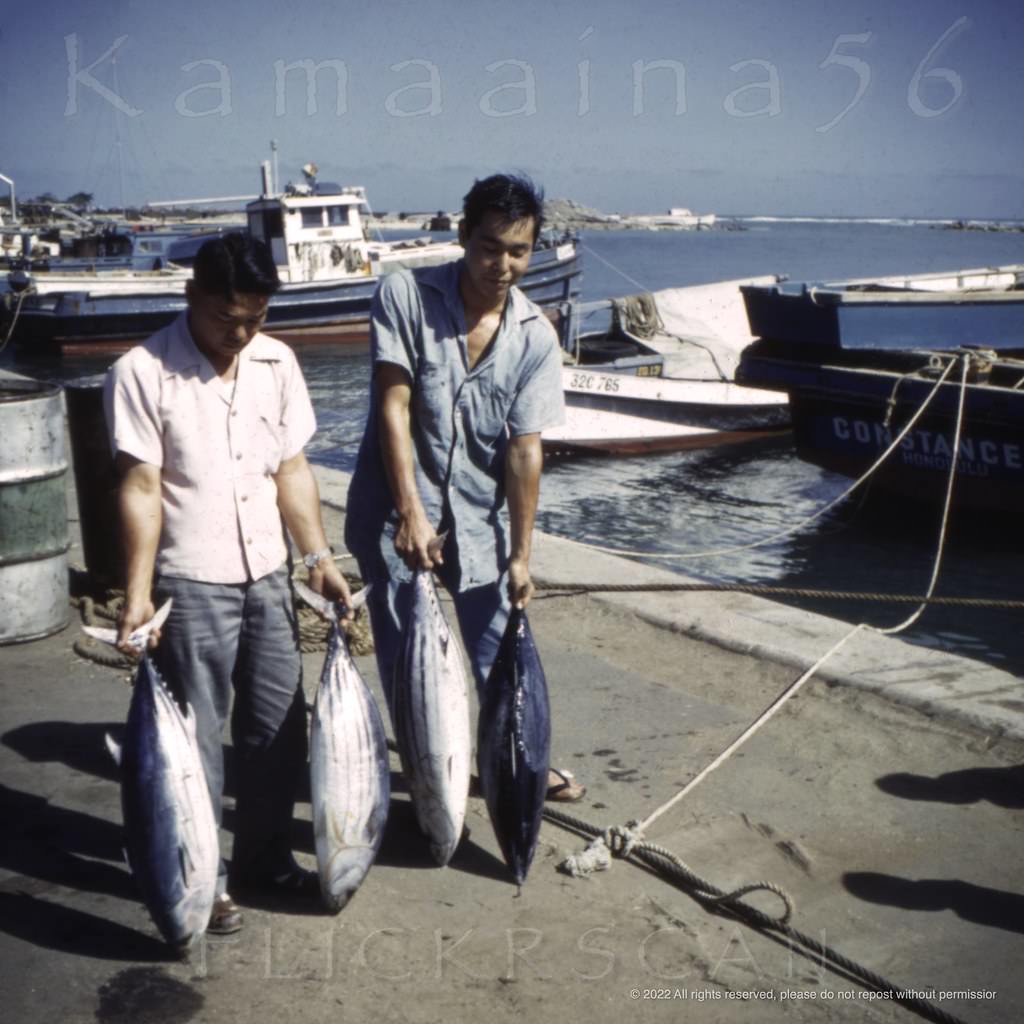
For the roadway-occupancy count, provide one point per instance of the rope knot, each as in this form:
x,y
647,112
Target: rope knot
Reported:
x,y
620,839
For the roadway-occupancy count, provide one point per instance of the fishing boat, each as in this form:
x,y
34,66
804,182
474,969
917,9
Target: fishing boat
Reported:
x,y
860,359
328,267
655,372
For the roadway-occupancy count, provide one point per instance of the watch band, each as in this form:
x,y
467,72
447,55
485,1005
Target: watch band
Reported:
x,y
314,558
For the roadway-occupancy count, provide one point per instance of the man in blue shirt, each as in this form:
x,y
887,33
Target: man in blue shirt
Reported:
x,y
466,375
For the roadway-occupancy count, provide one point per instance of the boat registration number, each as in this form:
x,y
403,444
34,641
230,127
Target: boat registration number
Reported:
x,y
593,382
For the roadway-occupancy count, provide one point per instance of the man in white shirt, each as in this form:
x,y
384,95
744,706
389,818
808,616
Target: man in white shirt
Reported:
x,y
208,419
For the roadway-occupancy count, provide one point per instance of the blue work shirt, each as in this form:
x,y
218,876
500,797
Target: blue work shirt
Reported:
x,y
461,419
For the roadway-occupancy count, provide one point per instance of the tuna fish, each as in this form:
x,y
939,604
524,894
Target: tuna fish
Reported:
x,y
350,778
513,745
171,840
430,710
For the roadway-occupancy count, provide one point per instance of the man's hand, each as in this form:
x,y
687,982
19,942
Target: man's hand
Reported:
x,y
414,542
520,586
132,615
325,578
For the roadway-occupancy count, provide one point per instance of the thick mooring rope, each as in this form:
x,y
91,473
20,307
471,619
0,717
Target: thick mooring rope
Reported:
x,y
772,590
629,843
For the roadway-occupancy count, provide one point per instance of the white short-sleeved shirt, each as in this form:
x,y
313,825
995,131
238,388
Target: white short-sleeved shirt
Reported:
x,y
217,445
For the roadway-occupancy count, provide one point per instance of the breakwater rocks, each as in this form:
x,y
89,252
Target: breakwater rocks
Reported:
x,y
568,215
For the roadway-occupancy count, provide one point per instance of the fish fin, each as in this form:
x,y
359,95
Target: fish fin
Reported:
x,y
104,635
316,601
435,546
138,637
160,618
186,865
189,718
114,748
330,609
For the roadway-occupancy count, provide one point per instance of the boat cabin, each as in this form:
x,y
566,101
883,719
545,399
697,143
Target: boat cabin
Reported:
x,y
315,232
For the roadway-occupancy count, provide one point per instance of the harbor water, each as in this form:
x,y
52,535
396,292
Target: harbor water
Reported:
x,y
689,503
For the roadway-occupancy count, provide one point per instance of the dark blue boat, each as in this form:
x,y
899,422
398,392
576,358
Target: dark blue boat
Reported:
x,y
860,361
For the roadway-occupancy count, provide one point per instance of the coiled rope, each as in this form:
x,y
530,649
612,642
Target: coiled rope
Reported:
x,y
630,839
625,843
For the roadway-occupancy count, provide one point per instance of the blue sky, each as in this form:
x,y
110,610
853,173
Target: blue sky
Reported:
x,y
860,107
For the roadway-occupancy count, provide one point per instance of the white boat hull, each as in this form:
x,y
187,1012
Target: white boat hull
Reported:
x,y
692,403
618,413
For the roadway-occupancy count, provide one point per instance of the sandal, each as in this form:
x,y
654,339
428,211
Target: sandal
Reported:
x,y
566,791
225,917
290,879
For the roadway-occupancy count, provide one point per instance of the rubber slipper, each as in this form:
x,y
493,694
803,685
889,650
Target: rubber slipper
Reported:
x,y
566,791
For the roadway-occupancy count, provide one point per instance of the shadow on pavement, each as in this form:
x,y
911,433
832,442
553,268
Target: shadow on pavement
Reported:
x,y
63,846
405,846
65,930
80,746
1003,787
975,903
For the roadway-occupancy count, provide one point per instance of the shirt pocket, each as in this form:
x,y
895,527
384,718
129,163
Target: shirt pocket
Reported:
x,y
266,437
186,448
433,400
268,440
490,400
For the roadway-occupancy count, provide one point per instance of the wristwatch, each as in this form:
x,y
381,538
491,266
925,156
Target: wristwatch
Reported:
x,y
314,558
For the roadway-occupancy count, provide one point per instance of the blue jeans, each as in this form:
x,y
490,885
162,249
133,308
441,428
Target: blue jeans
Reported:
x,y
242,638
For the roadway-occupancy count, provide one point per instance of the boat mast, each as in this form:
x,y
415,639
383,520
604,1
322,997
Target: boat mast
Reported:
x,y
117,136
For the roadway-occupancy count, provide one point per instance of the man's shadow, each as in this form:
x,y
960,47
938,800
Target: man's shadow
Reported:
x,y
978,904
975,903
1003,787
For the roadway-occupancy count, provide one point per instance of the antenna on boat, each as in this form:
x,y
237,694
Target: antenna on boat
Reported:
x,y
277,177
14,204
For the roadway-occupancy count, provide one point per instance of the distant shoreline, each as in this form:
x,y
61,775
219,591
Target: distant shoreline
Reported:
x,y
562,215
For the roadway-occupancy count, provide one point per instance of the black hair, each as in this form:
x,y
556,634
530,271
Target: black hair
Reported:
x,y
513,196
235,263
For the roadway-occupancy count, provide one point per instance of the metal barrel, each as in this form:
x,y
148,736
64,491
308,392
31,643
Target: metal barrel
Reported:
x,y
33,511
95,481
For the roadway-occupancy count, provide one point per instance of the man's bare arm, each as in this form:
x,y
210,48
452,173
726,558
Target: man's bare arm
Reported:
x,y
523,463
415,531
141,521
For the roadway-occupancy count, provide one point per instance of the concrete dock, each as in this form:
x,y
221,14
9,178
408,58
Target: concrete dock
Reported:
x,y
885,799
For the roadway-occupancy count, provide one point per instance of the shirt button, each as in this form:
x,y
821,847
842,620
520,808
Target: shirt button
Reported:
x,y
238,456
245,497
248,540
234,412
